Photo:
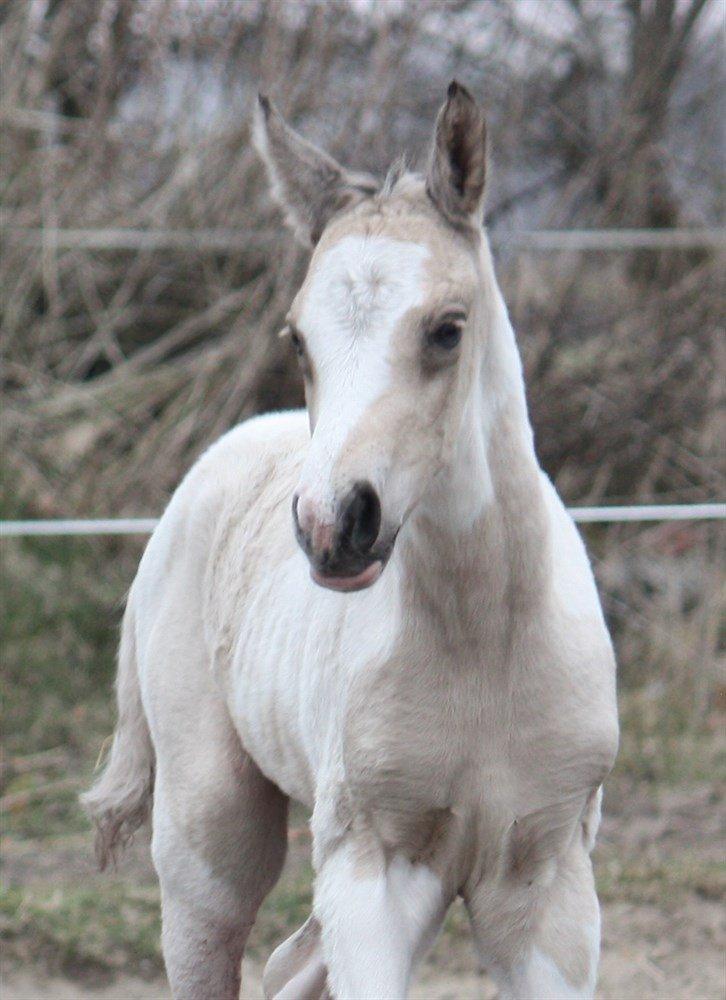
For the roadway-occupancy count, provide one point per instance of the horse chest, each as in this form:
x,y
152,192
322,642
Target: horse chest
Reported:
x,y
451,770
410,736
296,651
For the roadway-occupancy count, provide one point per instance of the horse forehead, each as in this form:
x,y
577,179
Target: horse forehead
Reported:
x,y
362,280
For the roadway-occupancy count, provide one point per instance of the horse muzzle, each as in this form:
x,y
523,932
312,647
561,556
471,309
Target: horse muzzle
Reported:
x,y
346,554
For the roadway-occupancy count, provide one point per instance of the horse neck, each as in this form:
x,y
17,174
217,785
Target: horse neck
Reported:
x,y
479,538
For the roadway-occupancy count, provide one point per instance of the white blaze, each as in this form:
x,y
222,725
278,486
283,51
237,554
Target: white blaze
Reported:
x,y
357,294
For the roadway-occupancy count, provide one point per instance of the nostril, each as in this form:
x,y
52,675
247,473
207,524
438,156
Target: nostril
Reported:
x,y
295,500
363,517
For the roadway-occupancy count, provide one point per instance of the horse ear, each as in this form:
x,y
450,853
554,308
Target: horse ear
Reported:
x,y
457,169
310,185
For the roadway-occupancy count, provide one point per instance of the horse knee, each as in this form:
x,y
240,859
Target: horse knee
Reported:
x,y
557,956
192,893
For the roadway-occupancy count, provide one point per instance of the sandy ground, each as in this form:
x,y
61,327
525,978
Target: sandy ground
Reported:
x,y
664,929
639,962
630,969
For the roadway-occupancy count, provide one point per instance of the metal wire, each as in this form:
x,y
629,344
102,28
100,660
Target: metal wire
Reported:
x,y
583,515
215,240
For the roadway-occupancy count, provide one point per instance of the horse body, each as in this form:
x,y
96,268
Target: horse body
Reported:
x,y
451,725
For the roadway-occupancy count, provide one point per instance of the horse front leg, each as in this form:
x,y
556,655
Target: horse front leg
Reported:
x,y
377,917
551,953
219,840
218,846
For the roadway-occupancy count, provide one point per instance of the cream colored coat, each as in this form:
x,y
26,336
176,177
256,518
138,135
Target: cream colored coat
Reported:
x,y
449,727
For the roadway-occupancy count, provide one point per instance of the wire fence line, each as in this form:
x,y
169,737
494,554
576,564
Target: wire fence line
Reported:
x,y
218,240
91,526
583,515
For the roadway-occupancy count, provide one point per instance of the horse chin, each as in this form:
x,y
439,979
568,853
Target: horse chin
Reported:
x,y
349,584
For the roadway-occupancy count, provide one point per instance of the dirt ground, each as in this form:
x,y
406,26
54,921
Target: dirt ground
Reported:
x,y
645,955
661,876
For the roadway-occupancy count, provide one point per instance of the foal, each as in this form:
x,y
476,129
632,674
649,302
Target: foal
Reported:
x,y
427,669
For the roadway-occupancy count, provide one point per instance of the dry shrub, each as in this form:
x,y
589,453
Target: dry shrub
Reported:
x,y
663,593
121,365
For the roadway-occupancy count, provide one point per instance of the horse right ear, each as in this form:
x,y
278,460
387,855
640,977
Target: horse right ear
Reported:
x,y
310,185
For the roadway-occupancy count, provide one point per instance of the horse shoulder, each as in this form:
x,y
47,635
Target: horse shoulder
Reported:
x,y
567,717
192,541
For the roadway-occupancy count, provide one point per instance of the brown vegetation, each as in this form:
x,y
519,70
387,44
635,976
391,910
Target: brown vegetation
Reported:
x,y
120,365
125,355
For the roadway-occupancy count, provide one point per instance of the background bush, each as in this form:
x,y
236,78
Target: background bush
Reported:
x,y
124,357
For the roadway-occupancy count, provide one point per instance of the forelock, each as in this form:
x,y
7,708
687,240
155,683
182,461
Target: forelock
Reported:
x,y
396,172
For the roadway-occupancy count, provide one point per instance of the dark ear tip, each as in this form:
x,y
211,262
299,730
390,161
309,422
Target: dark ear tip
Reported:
x,y
265,104
455,89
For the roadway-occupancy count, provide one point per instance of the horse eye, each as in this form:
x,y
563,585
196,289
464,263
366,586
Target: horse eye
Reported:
x,y
446,335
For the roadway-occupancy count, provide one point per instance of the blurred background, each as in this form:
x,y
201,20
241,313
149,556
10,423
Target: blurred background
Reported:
x,y
144,274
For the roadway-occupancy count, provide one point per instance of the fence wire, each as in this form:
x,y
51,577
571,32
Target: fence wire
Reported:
x,y
583,515
218,240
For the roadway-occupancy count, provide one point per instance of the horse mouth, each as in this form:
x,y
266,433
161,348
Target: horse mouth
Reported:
x,y
349,584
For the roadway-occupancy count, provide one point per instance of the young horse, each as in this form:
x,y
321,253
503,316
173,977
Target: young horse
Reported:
x,y
450,716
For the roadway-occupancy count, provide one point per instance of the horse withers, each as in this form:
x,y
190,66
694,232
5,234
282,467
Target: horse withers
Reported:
x,y
417,654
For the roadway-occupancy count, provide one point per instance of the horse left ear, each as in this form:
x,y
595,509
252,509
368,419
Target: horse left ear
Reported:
x,y
308,183
457,169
